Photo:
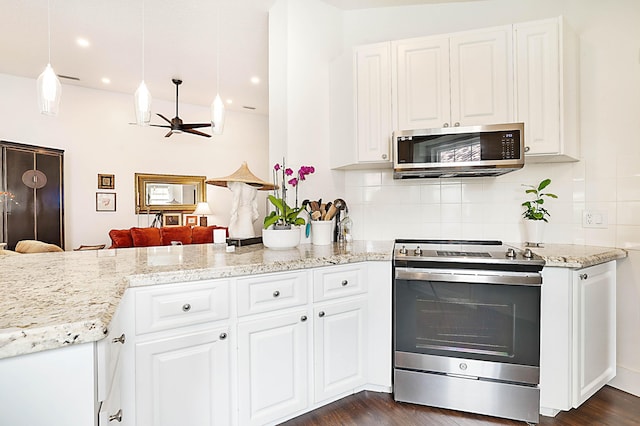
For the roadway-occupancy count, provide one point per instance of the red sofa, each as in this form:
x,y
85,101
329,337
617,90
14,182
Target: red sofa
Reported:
x,y
149,237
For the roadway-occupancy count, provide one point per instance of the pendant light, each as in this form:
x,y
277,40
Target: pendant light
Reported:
x,y
49,87
142,97
217,107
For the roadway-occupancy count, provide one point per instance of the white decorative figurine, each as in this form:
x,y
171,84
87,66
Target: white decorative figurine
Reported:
x,y
244,210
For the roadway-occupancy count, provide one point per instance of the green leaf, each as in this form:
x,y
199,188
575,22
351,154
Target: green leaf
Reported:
x,y
544,184
277,202
299,221
270,220
531,191
550,195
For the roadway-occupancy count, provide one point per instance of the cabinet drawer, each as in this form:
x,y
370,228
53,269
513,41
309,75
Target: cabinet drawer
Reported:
x,y
338,281
181,305
271,292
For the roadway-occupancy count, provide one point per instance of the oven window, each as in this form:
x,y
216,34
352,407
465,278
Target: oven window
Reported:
x,y
490,322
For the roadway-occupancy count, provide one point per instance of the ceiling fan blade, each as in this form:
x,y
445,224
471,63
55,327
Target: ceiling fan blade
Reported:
x,y
168,134
159,125
163,117
195,125
196,132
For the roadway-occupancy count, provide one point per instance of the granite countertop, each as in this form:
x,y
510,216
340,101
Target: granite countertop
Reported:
x,y
52,300
575,256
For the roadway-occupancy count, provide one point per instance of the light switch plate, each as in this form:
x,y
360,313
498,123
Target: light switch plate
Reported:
x,y
595,219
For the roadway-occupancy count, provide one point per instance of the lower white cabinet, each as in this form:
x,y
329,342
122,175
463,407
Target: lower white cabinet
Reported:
x,y
339,340
578,335
272,367
183,380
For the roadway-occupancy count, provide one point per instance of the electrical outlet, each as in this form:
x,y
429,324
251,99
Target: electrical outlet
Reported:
x,y
594,219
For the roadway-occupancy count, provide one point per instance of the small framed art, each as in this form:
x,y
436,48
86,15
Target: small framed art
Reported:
x,y
171,219
106,181
190,220
105,201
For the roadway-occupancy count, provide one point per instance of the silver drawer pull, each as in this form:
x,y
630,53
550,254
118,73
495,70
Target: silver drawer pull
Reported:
x,y
344,283
186,307
527,148
117,416
584,276
223,336
119,339
276,293
321,314
303,318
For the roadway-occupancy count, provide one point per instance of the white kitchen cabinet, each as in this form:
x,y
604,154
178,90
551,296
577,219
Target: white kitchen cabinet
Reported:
x,y
547,89
373,103
577,335
184,379
273,362
340,342
458,80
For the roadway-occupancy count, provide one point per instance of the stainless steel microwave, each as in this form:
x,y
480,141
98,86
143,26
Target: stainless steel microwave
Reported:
x,y
490,150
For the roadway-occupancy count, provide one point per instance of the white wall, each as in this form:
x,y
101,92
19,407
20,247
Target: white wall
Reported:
x,y
92,127
607,178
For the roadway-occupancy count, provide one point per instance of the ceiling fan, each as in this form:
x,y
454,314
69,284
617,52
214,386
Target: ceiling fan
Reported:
x,y
176,124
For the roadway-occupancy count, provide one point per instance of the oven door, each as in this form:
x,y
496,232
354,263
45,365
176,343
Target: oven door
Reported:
x,y
471,315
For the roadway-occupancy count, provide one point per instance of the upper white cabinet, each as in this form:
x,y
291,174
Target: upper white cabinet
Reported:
x,y
547,89
373,103
459,80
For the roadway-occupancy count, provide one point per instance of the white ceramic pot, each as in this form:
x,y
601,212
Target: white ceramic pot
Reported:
x,y
534,231
281,239
321,232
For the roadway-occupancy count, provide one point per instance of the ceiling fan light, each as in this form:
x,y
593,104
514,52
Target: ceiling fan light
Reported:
x,y
217,116
49,90
142,101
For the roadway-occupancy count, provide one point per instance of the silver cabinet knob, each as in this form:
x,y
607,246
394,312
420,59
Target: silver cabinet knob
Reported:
x,y
223,336
303,318
321,314
528,254
344,283
445,125
457,124
583,276
119,339
384,156
186,307
117,416
527,148
276,293
511,253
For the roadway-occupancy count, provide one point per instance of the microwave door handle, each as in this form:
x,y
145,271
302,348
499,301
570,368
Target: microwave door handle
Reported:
x,y
467,276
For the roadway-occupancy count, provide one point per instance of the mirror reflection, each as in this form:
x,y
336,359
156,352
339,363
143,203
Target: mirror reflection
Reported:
x,y
156,193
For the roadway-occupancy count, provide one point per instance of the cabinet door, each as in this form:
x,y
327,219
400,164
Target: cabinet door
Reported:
x,y
422,78
183,380
481,66
595,346
272,367
538,85
339,348
373,102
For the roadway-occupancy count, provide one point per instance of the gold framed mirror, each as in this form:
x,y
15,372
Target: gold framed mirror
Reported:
x,y
157,193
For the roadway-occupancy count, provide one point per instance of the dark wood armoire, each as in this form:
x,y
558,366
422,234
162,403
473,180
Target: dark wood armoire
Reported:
x,y
32,204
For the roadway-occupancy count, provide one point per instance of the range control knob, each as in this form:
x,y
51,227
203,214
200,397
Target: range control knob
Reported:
x,y
511,253
418,251
403,250
527,254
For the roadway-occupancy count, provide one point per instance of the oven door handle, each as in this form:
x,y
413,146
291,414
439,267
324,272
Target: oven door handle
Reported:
x,y
466,276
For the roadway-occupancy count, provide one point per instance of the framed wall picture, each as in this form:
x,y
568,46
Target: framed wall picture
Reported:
x,y
171,219
105,201
191,220
106,181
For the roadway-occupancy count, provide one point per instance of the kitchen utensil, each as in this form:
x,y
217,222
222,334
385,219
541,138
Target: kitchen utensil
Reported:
x,y
331,212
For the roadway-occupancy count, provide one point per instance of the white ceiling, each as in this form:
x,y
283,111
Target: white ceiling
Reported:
x,y
180,42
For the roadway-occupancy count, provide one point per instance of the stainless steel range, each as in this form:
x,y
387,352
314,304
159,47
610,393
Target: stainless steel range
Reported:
x,y
467,327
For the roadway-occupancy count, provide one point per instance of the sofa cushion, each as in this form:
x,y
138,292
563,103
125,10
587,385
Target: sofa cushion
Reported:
x,y
202,234
120,238
146,237
175,233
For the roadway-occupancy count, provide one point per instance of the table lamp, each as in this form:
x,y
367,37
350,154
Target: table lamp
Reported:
x,y
203,209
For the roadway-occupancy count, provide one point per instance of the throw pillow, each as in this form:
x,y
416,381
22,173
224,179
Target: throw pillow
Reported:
x,y
146,237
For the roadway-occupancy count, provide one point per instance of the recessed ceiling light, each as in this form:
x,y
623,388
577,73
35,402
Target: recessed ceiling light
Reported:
x,y
229,101
82,42
106,80
255,80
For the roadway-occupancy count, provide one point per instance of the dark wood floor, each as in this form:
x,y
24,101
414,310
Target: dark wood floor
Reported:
x,y
610,407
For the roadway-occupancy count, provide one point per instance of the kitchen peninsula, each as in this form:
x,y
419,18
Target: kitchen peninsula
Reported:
x,y
68,301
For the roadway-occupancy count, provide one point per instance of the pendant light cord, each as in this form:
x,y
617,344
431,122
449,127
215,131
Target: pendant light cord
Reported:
x,y
218,46
143,39
49,27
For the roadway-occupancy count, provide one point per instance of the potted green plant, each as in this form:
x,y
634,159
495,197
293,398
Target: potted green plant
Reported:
x,y
281,225
535,213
